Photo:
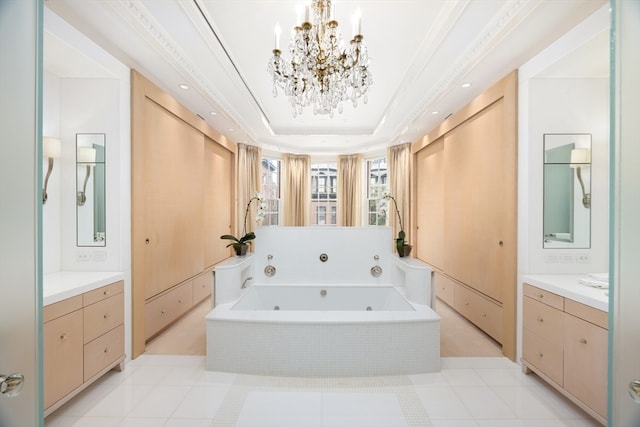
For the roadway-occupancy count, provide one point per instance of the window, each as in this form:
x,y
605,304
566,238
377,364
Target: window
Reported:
x,y
324,189
377,186
271,190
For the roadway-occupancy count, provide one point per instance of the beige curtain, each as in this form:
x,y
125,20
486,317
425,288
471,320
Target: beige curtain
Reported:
x,y
249,183
350,190
399,167
296,190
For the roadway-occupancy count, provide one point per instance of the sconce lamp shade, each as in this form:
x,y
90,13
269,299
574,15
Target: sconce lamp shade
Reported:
x,y
580,157
51,147
86,155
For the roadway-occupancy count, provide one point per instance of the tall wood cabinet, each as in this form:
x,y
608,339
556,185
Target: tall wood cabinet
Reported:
x,y
182,201
465,210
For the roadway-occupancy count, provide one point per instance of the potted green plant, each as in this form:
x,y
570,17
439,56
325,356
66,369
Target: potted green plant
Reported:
x,y
241,244
403,248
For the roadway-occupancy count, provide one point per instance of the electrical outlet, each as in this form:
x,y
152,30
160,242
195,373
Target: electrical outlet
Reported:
x,y
551,258
583,258
83,256
100,256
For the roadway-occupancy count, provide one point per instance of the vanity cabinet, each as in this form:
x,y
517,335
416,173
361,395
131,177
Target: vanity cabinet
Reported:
x,y
83,338
565,343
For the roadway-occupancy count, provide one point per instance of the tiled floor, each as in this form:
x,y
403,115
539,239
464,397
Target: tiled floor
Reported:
x,y
176,391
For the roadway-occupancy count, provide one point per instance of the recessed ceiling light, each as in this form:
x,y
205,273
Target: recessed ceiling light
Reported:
x,y
466,84
183,86
213,113
435,112
231,129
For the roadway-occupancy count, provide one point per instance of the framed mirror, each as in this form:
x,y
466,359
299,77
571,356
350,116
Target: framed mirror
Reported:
x,y
90,189
567,191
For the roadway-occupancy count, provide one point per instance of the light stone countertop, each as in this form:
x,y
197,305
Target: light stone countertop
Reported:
x,y
66,284
567,285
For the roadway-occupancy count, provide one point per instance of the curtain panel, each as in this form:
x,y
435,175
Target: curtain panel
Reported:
x,y
350,190
249,183
296,190
399,165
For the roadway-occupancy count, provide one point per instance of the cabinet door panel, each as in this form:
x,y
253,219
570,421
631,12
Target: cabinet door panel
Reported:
x,y
103,316
585,354
544,355
477,215
217,201
173,177
62,356
430,233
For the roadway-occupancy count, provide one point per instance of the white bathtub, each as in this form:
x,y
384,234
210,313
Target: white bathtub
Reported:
x,y
323,331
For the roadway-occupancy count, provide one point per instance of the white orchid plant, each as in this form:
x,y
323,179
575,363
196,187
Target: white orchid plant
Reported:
x,y
383,210
248,237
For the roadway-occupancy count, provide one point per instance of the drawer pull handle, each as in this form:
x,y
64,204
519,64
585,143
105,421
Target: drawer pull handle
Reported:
x,y
540,319
540,355
162,312
179,301
540,296
484,314
105,293
64,337
582,341
107,350
466,303
106,315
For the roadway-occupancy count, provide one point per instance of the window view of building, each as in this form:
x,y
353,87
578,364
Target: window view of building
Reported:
x,y
377,186
324,189
271,190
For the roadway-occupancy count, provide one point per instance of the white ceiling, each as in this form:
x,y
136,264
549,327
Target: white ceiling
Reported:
x,y
421,52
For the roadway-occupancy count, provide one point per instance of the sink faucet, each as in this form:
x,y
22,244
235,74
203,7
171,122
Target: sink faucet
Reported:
x,y
244,283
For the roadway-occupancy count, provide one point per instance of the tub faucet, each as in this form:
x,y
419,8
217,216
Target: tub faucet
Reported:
x,y
244,283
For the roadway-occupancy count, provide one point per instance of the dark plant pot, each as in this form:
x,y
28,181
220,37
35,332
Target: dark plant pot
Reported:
x,y
399,246
405,251
240,249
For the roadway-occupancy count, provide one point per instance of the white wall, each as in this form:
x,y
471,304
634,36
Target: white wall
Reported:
x,y
561,105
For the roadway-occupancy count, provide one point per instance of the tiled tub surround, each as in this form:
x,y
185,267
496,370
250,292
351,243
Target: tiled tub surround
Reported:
x,y
320,334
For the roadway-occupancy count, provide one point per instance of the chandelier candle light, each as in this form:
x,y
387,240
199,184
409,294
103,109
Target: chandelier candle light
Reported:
x,y
321,73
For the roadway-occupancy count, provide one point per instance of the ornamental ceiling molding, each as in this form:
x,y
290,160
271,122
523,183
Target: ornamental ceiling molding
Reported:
x,y
142,21
481,47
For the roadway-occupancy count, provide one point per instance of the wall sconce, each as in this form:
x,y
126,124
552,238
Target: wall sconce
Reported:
x,y
581,157
51,149
85,155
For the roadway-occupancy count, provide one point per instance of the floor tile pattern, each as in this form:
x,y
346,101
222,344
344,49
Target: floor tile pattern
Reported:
x,y
176,391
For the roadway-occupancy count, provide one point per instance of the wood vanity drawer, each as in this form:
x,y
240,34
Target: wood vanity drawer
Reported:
x,y
102,351
486,314
58,309
163,310
103,316
544,355
543,296
62,339
202,286
444,287
590,314
104,292
543,320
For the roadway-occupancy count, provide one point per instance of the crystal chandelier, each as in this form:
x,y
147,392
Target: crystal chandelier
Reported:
x,y
321,72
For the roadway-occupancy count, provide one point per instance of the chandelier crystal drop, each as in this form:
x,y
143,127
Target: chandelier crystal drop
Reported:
x,y
321,73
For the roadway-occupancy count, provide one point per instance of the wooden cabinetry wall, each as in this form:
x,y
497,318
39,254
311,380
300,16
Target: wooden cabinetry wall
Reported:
x,y
465,210
182,191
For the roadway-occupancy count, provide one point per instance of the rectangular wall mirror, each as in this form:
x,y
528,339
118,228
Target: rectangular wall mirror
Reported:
x,y
90,189
567,191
